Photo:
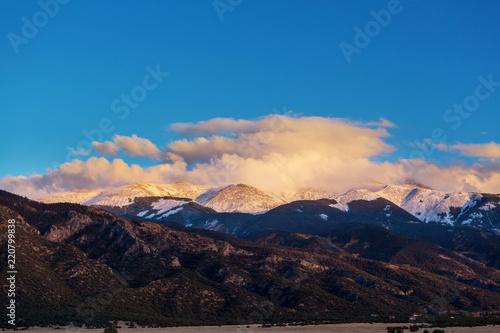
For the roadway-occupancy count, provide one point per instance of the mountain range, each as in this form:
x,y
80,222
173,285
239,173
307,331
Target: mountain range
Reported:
x,y
464,222
426,205
86,265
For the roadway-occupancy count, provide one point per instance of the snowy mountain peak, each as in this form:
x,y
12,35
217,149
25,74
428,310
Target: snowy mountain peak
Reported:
x,y
426,204
79,196
305,194
362,194
244,199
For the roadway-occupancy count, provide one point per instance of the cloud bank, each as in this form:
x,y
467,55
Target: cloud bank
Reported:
x,y
275,153
488,150
131,146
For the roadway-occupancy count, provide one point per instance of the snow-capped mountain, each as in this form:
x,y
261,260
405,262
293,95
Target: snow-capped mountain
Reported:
x,y
241,198
79,196
124,195
428,205
180,201
356,195
233,198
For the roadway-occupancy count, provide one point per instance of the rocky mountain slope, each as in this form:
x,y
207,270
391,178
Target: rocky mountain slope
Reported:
x,y
98,266
319,216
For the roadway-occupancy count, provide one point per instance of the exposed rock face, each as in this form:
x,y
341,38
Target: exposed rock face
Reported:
x,y
175,262
76,222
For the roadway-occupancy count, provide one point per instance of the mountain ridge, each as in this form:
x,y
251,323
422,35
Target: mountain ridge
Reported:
x,y
425,204
150,272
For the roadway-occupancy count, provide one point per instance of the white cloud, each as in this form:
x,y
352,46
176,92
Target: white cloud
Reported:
x,y
216,126
106,148
476,178
130,145
284,135
93,173
487,150
275,153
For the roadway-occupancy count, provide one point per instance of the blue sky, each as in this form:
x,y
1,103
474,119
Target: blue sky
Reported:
x,y
263,55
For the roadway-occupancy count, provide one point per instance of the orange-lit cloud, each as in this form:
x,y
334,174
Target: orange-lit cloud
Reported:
x,y
130,145
283,135
274,153
93,173
487,150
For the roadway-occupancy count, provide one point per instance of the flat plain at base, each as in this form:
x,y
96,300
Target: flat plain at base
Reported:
x,y
340,328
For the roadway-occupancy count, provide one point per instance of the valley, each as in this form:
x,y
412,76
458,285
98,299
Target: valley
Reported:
x,y
340,328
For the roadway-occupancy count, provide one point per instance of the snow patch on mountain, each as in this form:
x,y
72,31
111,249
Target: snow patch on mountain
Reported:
x,y
164,205
78,197
342,207
212,224
470,203
171,212
488,206
424,203
434,206
397,193
141,214
304,194
362,194
388,211
207,195
473,217
343,200
260,213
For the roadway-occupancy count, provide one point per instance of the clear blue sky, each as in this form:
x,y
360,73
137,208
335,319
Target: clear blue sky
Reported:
x,y
263,55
